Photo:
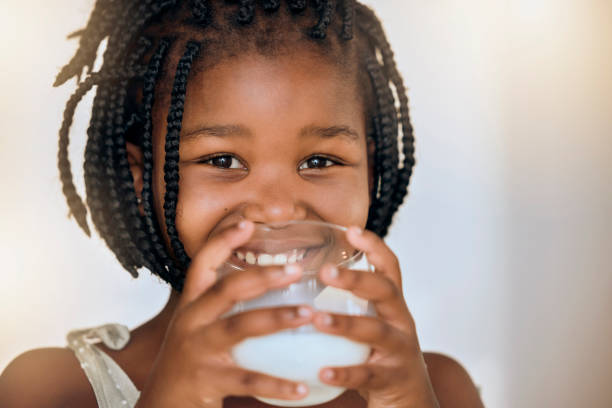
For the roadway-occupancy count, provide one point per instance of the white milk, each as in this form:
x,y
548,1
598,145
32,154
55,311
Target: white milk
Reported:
x,y
300,357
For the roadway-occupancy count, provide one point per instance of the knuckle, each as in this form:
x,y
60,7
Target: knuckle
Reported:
x,y
355,279
345,322
284,387
232,324
369,376
383,330
391,290
279,316
249,380
219,287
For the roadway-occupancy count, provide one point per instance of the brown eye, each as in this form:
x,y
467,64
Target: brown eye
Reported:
x,y
316,162
224,161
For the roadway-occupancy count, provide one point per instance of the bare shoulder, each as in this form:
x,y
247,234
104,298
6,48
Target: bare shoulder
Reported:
x,y
43,378
451,382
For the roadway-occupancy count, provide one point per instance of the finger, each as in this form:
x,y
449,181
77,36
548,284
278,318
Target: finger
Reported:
x,y
368,377
202,272
241,286
364,329
229,331
378,253
239,382
377,288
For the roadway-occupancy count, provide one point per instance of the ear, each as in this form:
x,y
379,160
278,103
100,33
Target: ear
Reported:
x,y
136,162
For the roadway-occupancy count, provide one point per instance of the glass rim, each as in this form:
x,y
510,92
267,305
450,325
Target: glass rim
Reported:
x,y
271,226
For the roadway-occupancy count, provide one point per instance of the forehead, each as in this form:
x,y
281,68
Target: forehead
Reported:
x,y
296,84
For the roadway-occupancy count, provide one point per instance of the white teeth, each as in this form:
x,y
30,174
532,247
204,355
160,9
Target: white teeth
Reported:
x,y
250,258
270,259
280,259
265,260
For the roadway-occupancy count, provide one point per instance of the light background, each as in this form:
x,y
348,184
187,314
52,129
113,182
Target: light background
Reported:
x,y
505,240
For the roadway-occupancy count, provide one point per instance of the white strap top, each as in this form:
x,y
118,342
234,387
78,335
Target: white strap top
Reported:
x,y
112,386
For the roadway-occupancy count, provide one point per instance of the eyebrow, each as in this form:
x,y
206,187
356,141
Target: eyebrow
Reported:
x,y
324,132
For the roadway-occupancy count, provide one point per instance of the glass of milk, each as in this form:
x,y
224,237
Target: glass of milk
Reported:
x,y
299,354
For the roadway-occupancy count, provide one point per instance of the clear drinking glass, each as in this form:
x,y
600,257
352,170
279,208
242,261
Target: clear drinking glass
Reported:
x,y
299,354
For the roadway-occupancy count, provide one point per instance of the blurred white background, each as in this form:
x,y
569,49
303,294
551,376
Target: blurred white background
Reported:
x,y
505,240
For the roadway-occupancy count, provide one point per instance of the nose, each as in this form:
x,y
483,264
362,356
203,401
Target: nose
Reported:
x,y
274,201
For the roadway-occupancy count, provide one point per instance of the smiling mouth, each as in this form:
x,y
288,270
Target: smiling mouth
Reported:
x,y
266,259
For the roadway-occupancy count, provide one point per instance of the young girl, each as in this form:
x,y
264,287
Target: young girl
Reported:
x,y
210,117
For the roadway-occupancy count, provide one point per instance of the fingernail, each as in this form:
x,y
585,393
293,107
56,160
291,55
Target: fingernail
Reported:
x,y
328,374
292,269
325,319
356,230
304,312
301,389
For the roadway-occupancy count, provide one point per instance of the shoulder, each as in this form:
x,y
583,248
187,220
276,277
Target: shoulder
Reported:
x,y
46,377
451,382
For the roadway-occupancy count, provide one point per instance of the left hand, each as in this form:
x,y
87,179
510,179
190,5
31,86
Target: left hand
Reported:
x,y
395,375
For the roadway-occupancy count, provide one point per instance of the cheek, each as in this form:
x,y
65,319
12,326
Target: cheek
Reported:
x,y
345,203
200,208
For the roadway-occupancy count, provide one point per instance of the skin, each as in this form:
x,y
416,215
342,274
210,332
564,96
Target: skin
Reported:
x,y
181,357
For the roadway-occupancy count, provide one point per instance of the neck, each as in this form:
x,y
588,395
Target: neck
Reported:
x,y
160,322
154,330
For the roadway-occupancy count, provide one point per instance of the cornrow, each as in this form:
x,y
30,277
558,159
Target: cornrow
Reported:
x,y
137,240
171,171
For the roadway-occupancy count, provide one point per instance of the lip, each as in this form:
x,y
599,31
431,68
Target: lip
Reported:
x,y
300,256
275,248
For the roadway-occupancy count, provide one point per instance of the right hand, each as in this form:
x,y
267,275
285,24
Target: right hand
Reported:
x,y
194,367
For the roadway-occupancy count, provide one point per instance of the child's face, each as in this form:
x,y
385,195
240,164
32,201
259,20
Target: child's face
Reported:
x,y
288,134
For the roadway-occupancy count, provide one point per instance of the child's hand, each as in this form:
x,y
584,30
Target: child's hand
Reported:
x,y
395,375
194,367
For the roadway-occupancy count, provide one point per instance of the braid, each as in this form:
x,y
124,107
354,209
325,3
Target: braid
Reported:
x,y
326,10
75,203
386,148
110,144
347,19
271,5
201,12
374,30
246,12
171,171
297,6
150,79
127,221
100,22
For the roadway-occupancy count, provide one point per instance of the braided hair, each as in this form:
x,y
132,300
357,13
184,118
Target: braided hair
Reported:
x,y
144,37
